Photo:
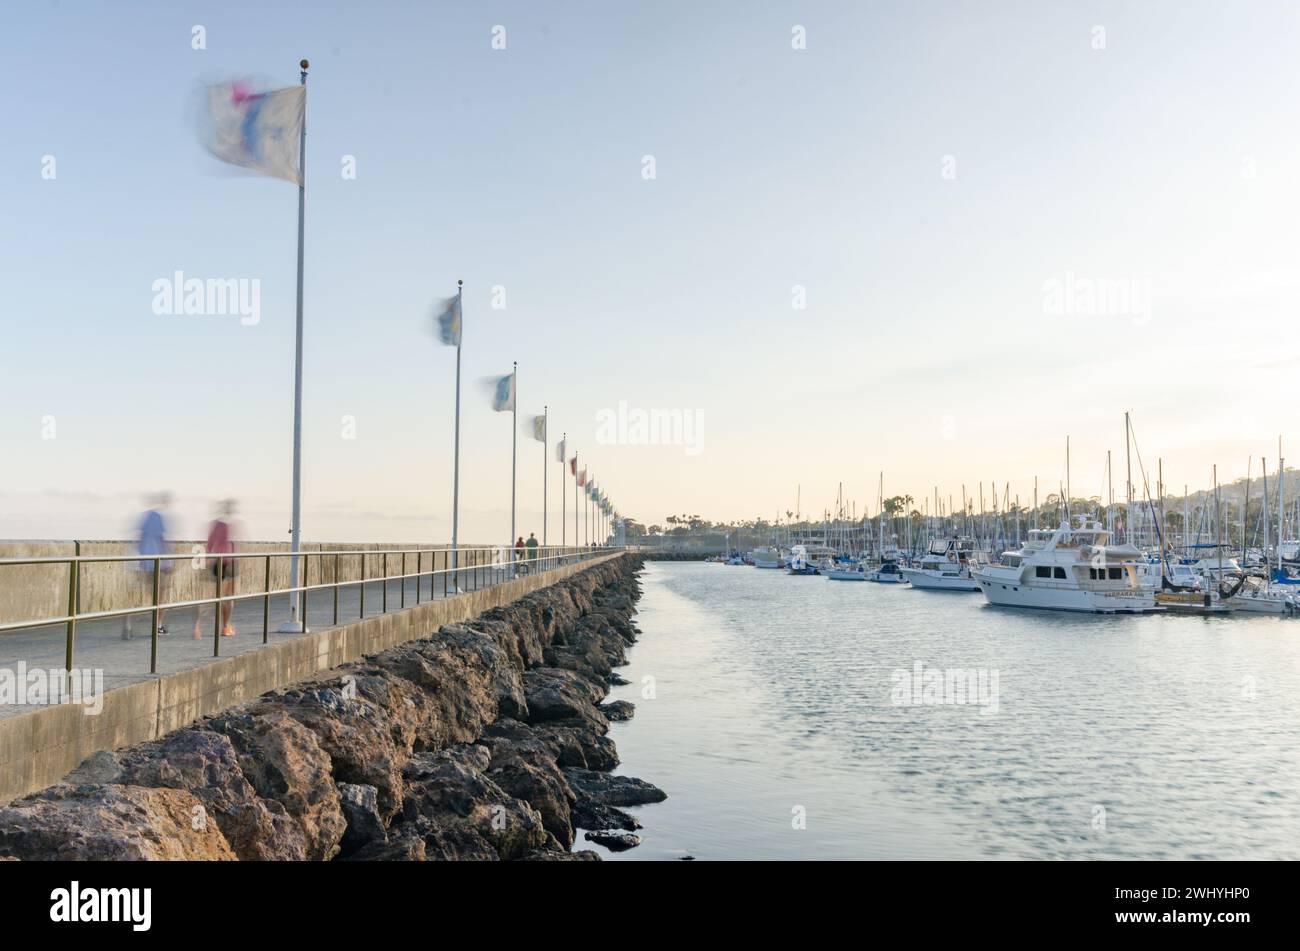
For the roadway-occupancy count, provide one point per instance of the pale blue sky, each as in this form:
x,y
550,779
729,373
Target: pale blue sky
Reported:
x,y
1168,159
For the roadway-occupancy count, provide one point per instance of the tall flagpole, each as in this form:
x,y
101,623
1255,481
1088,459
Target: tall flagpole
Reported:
x,y
575,499
546,419
514,444
295,624
455,472
564,439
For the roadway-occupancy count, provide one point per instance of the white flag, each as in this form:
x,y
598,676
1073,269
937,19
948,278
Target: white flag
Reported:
x,y
256,130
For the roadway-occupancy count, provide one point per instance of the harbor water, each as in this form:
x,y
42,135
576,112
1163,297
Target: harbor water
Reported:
x,y
800,718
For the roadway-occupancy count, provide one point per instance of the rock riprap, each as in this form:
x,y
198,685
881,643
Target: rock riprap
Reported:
x,y
486,740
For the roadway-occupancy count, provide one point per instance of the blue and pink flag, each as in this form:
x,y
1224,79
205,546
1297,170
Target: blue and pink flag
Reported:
x,y
256,130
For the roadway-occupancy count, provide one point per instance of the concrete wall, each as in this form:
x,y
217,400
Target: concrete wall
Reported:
x,y
36,592
43,746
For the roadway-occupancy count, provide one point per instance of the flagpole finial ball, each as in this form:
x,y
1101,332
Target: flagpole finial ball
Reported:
x,y
304,64
460,283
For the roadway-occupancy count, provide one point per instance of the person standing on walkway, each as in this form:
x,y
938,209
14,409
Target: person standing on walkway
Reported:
x,y
531,545
151,539
221,541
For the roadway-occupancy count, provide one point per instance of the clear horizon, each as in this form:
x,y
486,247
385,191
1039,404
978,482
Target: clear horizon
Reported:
x,y
931,243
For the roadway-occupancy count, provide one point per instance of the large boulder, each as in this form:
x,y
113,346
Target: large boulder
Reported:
x,y
286,765
451,789
555,694
524,765
111,823
365,824
607,790
205,764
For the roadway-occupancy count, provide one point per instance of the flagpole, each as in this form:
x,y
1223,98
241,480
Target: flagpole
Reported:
x,y
564,438
575,499
546,419
455,472
295,624
514,444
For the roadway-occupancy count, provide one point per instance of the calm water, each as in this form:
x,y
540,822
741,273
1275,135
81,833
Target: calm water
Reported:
x,y
1146,737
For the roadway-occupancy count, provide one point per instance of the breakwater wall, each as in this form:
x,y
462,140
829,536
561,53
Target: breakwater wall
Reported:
x,y
485,740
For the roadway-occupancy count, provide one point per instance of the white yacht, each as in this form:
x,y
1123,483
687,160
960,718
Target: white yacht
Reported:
x,y
1256,595
766,558
947,566
1069,569
845,571
887,573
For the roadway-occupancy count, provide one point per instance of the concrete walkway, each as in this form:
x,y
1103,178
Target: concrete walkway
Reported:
x,y
100,645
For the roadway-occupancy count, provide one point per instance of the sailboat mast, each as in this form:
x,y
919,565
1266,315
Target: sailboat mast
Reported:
x,y
1128,480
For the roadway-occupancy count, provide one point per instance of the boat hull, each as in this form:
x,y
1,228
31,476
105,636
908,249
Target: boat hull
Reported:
x,y
1260,605
936,581
1010,593
833,574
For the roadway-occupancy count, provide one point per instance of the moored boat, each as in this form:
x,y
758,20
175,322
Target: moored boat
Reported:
x,y
947,566
1069,569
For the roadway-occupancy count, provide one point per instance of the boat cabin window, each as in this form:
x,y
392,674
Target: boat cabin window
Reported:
x,y
1116,574
1058,572
1043,571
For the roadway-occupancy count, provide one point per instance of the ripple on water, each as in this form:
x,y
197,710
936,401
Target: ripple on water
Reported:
x,y
1126,737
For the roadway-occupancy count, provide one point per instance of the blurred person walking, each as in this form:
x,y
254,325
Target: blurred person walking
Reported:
x,y
221,541
151,539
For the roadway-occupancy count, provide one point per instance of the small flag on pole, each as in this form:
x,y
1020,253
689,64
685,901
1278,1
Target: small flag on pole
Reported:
x,y
256,130
503,393
582,477
560,450
539,429
448,317
573,466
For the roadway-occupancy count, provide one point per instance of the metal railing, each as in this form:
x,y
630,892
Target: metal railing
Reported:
x,y
463,570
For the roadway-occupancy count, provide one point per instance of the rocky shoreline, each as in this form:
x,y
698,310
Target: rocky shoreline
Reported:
x,y
484,741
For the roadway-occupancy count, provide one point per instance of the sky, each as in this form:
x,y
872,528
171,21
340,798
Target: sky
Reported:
x,y
930,244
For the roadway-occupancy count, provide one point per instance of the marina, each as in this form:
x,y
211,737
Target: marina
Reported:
x,y
808,686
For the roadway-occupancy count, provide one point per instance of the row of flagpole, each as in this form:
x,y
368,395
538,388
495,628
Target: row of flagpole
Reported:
x,y
266,132
598,511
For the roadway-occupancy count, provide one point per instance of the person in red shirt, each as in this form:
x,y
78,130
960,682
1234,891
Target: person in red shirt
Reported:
x,y
221,541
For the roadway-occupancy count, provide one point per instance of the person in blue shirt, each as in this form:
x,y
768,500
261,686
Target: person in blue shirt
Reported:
x,y
151,540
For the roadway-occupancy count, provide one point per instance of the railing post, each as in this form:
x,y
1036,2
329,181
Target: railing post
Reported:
x,y
216,610
266,601
305,584
383,598
363,585
336,589
419,579
153,640
401,598
73,599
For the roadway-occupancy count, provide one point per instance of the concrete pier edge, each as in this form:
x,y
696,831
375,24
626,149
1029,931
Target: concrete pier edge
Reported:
x,y
39,748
